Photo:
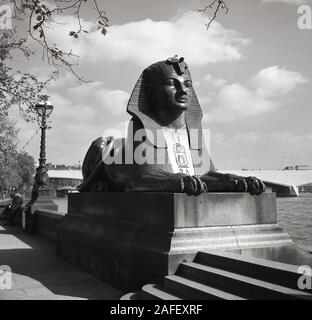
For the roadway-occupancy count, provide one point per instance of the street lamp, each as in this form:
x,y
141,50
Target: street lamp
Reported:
x,y
44,109
41,193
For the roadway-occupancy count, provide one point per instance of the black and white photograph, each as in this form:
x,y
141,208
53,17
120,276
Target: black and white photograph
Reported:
x,y
155,150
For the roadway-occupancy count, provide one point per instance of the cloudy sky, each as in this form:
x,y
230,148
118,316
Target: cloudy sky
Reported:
x,y
251,71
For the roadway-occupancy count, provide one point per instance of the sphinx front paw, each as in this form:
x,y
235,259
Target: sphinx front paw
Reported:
x,y
193,185
255,185
252,185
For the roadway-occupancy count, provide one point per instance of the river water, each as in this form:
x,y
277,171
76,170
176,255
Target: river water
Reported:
x,y
293,214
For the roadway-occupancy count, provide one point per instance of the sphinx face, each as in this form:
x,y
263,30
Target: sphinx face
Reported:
x,y
173,92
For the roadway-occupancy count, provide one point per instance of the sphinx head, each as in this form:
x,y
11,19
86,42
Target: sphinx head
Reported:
x,y
164,90
168,86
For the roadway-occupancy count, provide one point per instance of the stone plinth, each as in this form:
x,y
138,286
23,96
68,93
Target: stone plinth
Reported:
x,y
44,200
130,239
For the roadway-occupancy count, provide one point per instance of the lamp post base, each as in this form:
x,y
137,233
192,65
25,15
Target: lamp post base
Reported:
x,y
43,201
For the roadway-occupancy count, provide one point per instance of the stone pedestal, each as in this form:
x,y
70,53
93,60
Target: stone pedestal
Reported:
x,y
130,239
44,200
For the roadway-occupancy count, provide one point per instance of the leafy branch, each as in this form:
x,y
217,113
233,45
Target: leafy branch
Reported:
x,y
17,88
41,15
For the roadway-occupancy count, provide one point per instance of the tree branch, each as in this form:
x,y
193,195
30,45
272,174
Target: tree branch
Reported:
x,y
216,6
39,14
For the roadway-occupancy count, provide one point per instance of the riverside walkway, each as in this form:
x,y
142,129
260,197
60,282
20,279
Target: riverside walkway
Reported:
x,y
38,274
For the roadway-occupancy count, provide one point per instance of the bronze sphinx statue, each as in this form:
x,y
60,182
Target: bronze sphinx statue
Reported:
x,y
164,150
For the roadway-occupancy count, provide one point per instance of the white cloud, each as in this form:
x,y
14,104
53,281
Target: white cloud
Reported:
x,y
208,78
81,114
64,80
112,102
274,80
237,101
146,41
90,116
289,1
116,101
262,93
218,82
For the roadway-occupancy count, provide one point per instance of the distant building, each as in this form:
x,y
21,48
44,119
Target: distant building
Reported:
x,y
51,166
289,168
298,167
303,167
64,179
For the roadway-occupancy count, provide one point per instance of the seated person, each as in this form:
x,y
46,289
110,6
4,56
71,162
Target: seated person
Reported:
x,y
165,108
15,206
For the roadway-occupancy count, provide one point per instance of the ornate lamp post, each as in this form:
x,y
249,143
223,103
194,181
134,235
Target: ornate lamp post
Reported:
x,y
44,109
41,193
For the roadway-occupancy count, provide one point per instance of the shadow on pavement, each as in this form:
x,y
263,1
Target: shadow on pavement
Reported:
x,y
39,274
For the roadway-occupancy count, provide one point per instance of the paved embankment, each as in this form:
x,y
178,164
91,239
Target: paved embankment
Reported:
x,y
38,274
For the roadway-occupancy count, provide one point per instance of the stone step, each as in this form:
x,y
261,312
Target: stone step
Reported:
x,y
155,292
189,289
129,296
269,271
237,284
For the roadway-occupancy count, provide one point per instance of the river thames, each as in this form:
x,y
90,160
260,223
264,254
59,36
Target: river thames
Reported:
x,y
295,216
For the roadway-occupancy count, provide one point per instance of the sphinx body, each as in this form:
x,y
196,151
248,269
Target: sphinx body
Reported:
x,y
164,150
